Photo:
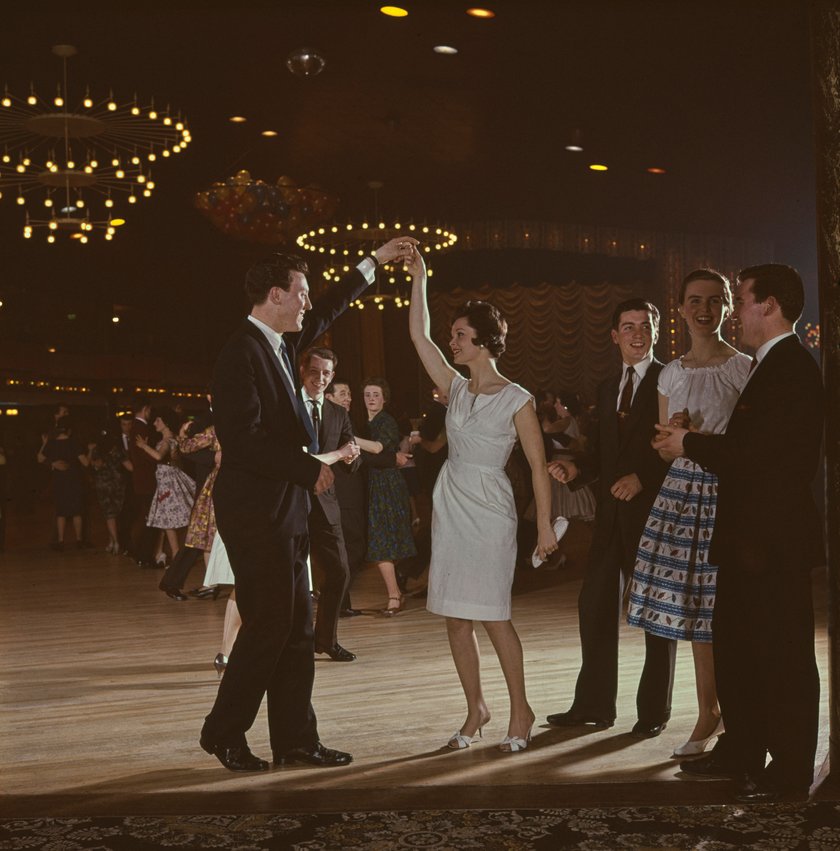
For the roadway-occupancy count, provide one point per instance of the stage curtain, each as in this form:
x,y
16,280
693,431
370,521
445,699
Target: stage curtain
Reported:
x,y
558,335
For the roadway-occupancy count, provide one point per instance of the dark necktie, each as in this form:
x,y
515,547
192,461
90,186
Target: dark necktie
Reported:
x,y
626,400
286,362
316,417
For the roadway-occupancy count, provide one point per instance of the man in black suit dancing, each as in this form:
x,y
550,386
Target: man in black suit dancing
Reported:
x,y
261,500
629,474
332,424
767,537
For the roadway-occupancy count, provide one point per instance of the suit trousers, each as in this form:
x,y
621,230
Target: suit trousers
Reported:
x,y
766,671
273,653
329,555
142,537
354,532
600,609
176,574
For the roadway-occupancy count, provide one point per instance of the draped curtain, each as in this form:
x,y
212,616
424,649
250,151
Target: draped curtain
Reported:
x,y
557,335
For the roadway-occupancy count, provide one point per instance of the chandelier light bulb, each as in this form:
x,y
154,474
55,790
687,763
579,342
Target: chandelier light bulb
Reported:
x,y
167,120
94,164
109,202
83,240
20,168
32,100
112,107
135,160
152,157
80,202
7,102
153,115
21,200
132,199
151,184
109,237
59,101
88,103
48,202
119,173
53,225
135,110
50,238
165,152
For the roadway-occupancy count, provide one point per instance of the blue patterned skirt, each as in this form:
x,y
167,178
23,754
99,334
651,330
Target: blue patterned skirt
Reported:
x,y
672,593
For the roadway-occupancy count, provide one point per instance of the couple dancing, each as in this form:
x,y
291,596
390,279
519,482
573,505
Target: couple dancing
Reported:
x,y
262,500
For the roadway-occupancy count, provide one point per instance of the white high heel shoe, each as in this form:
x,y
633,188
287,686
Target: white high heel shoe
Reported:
x,y
512,744
693,747
458,741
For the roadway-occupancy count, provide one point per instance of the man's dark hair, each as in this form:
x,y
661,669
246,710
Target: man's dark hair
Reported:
x,y
335,383
635,304
318,352
139,403
273,271
782,282
707,275
490,327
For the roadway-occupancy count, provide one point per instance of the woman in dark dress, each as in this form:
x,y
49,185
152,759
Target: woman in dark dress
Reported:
x,y
106,467
66,459
389,508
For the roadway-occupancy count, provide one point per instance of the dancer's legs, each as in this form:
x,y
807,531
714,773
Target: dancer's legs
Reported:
x,y
389,577
509,650
232,624
707,700
464,646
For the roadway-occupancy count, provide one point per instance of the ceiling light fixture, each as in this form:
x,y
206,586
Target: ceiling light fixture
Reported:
x,y
575,142
393,11
598,167
66,154
269,133
345,245
656,170
237,119
445,49
481,13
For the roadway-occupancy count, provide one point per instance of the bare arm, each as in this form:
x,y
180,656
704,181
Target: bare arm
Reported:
x,y
157,454
528,431
372,446
419,326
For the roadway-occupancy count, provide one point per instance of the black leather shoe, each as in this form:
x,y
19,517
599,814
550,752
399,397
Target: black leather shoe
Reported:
x,y
337,653
647,729
235,759
315,754
710,766
211,593
760,790
350,613
577,719
175,594
145,564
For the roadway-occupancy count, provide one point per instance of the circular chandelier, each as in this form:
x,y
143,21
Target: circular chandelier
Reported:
x,y
68,162
344,245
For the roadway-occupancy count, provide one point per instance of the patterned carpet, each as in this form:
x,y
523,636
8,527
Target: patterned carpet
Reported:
x,y
781,827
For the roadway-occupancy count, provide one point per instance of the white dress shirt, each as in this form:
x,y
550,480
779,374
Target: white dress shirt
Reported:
x,y
639,371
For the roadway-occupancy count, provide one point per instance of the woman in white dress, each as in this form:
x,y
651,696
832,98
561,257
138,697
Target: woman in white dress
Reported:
x,y
474,517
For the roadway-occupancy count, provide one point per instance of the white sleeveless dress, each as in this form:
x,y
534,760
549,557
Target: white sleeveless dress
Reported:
x,y
473,515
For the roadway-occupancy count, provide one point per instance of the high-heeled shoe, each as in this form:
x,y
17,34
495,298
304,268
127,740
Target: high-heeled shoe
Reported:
x,y
220,663
458,741
390,611
693,747
160,559
512,744
205,593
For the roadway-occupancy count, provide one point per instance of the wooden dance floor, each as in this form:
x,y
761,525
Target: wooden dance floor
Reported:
x,y
106,683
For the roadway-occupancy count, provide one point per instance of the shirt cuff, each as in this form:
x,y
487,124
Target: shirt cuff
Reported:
x,y
368,269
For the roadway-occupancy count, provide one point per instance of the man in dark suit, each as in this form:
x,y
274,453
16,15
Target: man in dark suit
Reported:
x,y
317,368
629,474
143,483
767,537
261,498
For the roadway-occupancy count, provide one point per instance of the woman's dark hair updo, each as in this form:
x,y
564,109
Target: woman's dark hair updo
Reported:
x,y
490,327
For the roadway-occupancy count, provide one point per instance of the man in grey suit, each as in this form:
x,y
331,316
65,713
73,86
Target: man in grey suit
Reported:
x,y
332,426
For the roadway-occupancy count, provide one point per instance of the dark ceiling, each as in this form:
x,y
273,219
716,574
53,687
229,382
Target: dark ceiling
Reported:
x,y
716,93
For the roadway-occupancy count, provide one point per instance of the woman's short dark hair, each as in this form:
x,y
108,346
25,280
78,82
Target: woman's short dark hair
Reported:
x,y
490,327
381,383
707,275
273,271
169,417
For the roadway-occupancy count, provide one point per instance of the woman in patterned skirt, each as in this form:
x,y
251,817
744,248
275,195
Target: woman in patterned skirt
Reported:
x,y
673,588
389,507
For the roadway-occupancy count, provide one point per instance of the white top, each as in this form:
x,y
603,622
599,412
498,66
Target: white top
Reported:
x,y
709,392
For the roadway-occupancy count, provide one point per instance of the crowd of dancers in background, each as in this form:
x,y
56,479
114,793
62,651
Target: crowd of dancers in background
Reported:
x,y
648,462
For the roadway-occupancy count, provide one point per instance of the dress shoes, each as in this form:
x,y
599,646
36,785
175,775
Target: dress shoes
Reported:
x,y
175,594
145,564
758,790
577,719
235,759
350,613
337,653
710,766
648,729
315,754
